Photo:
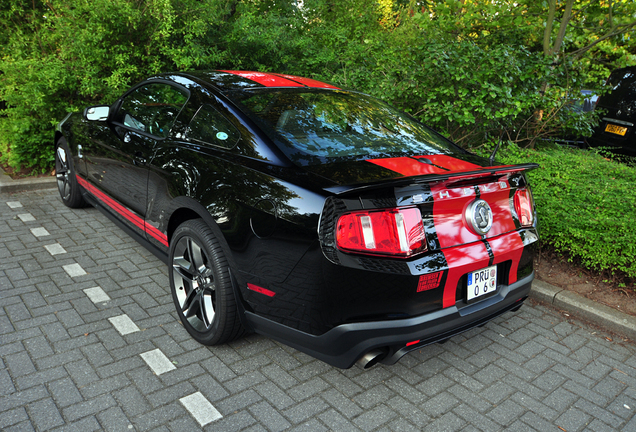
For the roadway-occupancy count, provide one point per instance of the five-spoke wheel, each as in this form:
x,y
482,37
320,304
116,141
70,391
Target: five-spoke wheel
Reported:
x,y
201,286
66,182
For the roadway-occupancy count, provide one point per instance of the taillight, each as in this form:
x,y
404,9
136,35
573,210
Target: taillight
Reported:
x,y
394,232
523,207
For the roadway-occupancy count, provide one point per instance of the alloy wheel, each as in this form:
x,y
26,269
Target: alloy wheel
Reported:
x,y
194,283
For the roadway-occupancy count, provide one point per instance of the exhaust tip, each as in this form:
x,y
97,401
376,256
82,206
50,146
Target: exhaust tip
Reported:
x,y
371,358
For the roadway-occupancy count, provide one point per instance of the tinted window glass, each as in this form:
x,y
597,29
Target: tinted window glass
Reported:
x,y
320,125
152,108
210,126
623,83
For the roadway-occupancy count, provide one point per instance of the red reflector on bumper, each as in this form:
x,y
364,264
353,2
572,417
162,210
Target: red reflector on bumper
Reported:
x,y
260,290
412,343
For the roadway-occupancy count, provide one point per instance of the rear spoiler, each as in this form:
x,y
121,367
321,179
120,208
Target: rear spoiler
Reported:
x,y
435,178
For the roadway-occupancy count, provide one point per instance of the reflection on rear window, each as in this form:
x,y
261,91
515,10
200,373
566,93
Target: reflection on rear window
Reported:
x,y
623,83
334,124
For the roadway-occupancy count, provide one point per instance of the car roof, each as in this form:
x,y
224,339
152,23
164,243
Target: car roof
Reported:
x,y
230,80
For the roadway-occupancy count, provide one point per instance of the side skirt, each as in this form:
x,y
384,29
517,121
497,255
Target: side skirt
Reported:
x,y
162,255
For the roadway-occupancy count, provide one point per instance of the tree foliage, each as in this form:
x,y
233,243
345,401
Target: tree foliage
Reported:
x,y
470,68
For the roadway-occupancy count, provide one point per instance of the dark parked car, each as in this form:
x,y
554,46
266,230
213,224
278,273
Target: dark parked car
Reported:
x,y
616,129
319,217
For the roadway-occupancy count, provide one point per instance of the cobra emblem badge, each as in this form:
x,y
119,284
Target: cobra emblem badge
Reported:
x,y
479,216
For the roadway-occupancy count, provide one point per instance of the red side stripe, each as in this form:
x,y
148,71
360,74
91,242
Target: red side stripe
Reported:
x,y
124,212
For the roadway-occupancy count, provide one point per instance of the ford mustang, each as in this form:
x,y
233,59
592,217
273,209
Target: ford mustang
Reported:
x,y
320,217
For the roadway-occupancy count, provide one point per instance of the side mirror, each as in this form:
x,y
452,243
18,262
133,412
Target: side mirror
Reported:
x,y
97,113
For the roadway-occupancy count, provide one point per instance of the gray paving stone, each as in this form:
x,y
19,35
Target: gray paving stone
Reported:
x,y
88,407
274,395
269,417
531,370
64,392
336,422
44,414
40,377
506,413
114,419
305,410
12,417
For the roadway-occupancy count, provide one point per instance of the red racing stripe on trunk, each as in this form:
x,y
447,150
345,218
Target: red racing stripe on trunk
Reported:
x,y
406,166
420,165
462,248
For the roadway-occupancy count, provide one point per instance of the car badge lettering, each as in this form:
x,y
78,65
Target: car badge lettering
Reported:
x,y
502,185
418,198
444,194
468,191
479,216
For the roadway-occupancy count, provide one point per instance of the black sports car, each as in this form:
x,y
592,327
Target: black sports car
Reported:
x,y
319,217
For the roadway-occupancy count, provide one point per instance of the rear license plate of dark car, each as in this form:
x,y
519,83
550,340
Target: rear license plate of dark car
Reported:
x,y
618,130
482,282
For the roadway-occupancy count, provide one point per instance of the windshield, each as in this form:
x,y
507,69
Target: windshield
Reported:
x,y
318,126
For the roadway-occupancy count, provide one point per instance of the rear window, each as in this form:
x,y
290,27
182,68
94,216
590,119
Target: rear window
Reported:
x,y
318,126
623,83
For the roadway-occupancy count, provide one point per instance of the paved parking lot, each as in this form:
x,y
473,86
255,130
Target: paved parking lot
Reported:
x,y
89,341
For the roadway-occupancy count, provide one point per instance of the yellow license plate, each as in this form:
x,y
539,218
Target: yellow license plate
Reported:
x,y
618,130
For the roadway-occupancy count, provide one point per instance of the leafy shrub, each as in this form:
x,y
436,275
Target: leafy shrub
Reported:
x,y
586,205
440,64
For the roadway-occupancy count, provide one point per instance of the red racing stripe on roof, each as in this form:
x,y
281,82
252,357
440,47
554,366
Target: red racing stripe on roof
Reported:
x,y
266,79
280,80
308,81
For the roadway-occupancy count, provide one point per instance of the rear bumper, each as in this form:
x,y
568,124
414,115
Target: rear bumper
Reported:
x,y
343,345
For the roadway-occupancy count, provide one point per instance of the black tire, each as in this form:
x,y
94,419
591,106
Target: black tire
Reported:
x,y
67,185
201,286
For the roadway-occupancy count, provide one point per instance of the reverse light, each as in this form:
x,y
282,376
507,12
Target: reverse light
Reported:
x,y
523,207
393,232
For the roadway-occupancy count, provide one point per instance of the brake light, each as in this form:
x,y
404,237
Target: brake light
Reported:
x,y
394,232
523,207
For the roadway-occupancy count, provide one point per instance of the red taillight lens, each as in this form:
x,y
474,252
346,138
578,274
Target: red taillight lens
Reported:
x,y
523,207
385,232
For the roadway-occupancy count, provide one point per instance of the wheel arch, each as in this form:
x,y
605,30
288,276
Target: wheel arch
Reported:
x,y
188,209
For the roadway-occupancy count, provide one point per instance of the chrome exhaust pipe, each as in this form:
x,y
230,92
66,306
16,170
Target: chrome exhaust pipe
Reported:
x,y
371,358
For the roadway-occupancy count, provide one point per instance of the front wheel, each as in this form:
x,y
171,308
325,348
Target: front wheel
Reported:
x,y
201,286
65,173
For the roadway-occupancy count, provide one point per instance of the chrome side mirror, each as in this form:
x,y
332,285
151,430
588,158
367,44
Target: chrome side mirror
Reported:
x,y
97,113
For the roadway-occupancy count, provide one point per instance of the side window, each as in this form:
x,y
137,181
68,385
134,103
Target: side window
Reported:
x,y
152,108
210,126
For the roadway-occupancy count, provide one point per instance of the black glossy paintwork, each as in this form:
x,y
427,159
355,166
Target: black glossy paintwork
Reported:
x,y
275,220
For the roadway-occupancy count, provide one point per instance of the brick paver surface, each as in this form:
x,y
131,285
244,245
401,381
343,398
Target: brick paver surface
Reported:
x,y
89,341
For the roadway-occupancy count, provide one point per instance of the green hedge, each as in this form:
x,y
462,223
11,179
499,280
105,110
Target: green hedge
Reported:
x,y
586,205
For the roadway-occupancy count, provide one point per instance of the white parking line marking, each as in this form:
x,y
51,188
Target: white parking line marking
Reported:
x,y
39,232
55,249
158,361
96,294
200,408
123,324
14,204
26,217
74,270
